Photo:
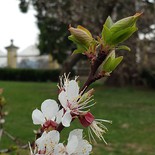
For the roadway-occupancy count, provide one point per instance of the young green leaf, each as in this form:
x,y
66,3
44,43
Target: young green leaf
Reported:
x,y
107,65
106,34
73,39
122,35
80,49
85,30
115,62
125,23
123,47
108,23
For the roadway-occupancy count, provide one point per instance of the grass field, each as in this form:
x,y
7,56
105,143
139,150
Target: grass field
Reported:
x,y
132,111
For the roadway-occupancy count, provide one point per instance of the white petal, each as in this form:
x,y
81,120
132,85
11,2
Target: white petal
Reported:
x,y
76,132
49,108
84,148
37,117
59,149
53,137
73,90
72,145
41,142
67,118
48,141
63,99
59,116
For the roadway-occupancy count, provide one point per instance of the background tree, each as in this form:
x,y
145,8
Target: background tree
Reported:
x,y
53,18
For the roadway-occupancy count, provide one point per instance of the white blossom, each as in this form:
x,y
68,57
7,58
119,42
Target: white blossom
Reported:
x,y
48,144
76,145
72,99
49,115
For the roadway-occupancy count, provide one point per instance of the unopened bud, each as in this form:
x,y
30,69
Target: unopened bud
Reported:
x,y
86,119
90,92
86,95
82,35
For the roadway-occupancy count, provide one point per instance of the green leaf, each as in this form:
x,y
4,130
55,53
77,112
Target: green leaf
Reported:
x,y
108,23
73,39
125,23
122,35
85,30
77,51
115,62
81,48
106,34
123,47
112,54
107,65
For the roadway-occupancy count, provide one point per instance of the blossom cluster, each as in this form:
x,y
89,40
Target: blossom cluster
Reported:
x,y
49,144
73,104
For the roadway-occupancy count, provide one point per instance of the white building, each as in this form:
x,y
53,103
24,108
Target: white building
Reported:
x,y
30,58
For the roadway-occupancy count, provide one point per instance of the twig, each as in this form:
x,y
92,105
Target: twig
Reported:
x,y
94,67
10,136
1,133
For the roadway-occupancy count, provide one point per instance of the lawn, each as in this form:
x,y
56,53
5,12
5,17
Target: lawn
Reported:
x,y
132,111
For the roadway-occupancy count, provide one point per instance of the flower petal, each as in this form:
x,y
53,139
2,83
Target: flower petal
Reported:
x,y
84,148
52,139
37,117
48,141
73,90
77,133
41,142
49,108
72,144
63,99
59,116
59,149
67,118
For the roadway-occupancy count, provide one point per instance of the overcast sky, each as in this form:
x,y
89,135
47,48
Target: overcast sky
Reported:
x,y
16,25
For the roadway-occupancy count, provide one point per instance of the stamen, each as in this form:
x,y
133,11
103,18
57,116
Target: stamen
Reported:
x,y
92,135
85,107
103,120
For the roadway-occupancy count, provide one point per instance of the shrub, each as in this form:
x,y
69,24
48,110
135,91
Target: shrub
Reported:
x,y
149,77
9,74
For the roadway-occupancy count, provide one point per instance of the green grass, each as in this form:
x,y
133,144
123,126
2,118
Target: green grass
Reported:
x,y
131,110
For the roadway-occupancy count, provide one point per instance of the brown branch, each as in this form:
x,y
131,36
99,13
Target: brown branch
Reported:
x,y
92,77
94,67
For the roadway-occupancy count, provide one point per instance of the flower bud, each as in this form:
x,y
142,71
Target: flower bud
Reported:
x,y
86,119
111,62
81,35
86,95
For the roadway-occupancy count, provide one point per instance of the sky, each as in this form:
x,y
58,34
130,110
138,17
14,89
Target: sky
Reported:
x,y
16,25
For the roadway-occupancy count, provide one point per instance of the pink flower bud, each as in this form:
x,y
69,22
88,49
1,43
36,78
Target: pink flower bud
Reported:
x,y
87,119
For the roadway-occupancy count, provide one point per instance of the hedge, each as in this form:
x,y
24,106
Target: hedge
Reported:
x,y
149,77
38,75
